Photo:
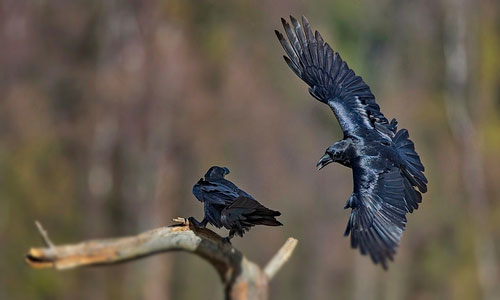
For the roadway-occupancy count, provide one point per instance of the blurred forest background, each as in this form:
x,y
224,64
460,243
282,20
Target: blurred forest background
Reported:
x,y
111,110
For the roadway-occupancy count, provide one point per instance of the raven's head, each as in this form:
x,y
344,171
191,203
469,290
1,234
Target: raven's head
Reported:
x,y
337,152
216,172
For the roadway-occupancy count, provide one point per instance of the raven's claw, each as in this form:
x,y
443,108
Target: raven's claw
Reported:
x,y
193,221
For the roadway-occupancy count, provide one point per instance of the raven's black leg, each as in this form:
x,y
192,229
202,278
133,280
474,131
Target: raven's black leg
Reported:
x,y
352,202
228,238
196,223
239,229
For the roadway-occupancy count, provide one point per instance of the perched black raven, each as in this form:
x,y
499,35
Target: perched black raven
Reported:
x,y
385,166
226,205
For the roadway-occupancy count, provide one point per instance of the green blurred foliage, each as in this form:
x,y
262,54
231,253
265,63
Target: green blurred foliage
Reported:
x,y
111,110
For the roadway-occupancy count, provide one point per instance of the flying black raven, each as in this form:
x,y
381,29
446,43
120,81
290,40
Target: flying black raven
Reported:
x,y
226,205
386,169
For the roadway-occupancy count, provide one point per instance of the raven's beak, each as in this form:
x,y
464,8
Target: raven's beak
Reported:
x,y
323,161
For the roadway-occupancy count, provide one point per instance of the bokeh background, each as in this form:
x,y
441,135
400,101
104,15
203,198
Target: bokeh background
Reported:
x,y
111,110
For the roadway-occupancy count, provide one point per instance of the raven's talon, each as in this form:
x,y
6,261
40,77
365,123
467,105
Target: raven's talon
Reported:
x,y
226,240
192,220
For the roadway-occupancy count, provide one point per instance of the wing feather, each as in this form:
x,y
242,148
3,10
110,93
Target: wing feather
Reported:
x,y
330,79
378,213
246,212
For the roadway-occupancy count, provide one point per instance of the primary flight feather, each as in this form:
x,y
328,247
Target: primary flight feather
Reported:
x,y
387,172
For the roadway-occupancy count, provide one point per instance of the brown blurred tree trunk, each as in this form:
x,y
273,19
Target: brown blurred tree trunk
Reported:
x,y
364,278
159,170
464,128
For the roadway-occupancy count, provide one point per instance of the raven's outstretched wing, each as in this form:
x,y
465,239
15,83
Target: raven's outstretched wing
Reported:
x,y
331,81
378,213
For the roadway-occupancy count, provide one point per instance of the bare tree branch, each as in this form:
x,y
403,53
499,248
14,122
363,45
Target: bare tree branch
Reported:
x,y
280,258
242,278
44,234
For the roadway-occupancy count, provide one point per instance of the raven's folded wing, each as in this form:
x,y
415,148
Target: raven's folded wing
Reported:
x,y
247,212
331,81
378,213
214,192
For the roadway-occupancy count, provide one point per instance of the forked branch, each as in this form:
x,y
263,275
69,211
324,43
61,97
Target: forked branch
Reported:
x,y
242,278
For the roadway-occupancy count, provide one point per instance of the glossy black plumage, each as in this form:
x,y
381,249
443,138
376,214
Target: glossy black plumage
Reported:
x,y
225,205
386,169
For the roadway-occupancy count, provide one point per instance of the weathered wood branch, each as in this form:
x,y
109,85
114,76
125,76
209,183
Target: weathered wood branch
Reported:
x,y
280,258
242,278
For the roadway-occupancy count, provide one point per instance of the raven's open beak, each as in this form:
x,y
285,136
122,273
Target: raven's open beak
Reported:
x,y
323,161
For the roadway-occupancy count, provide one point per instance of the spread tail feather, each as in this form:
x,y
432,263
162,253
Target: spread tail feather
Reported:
x,y
412,164
412,170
